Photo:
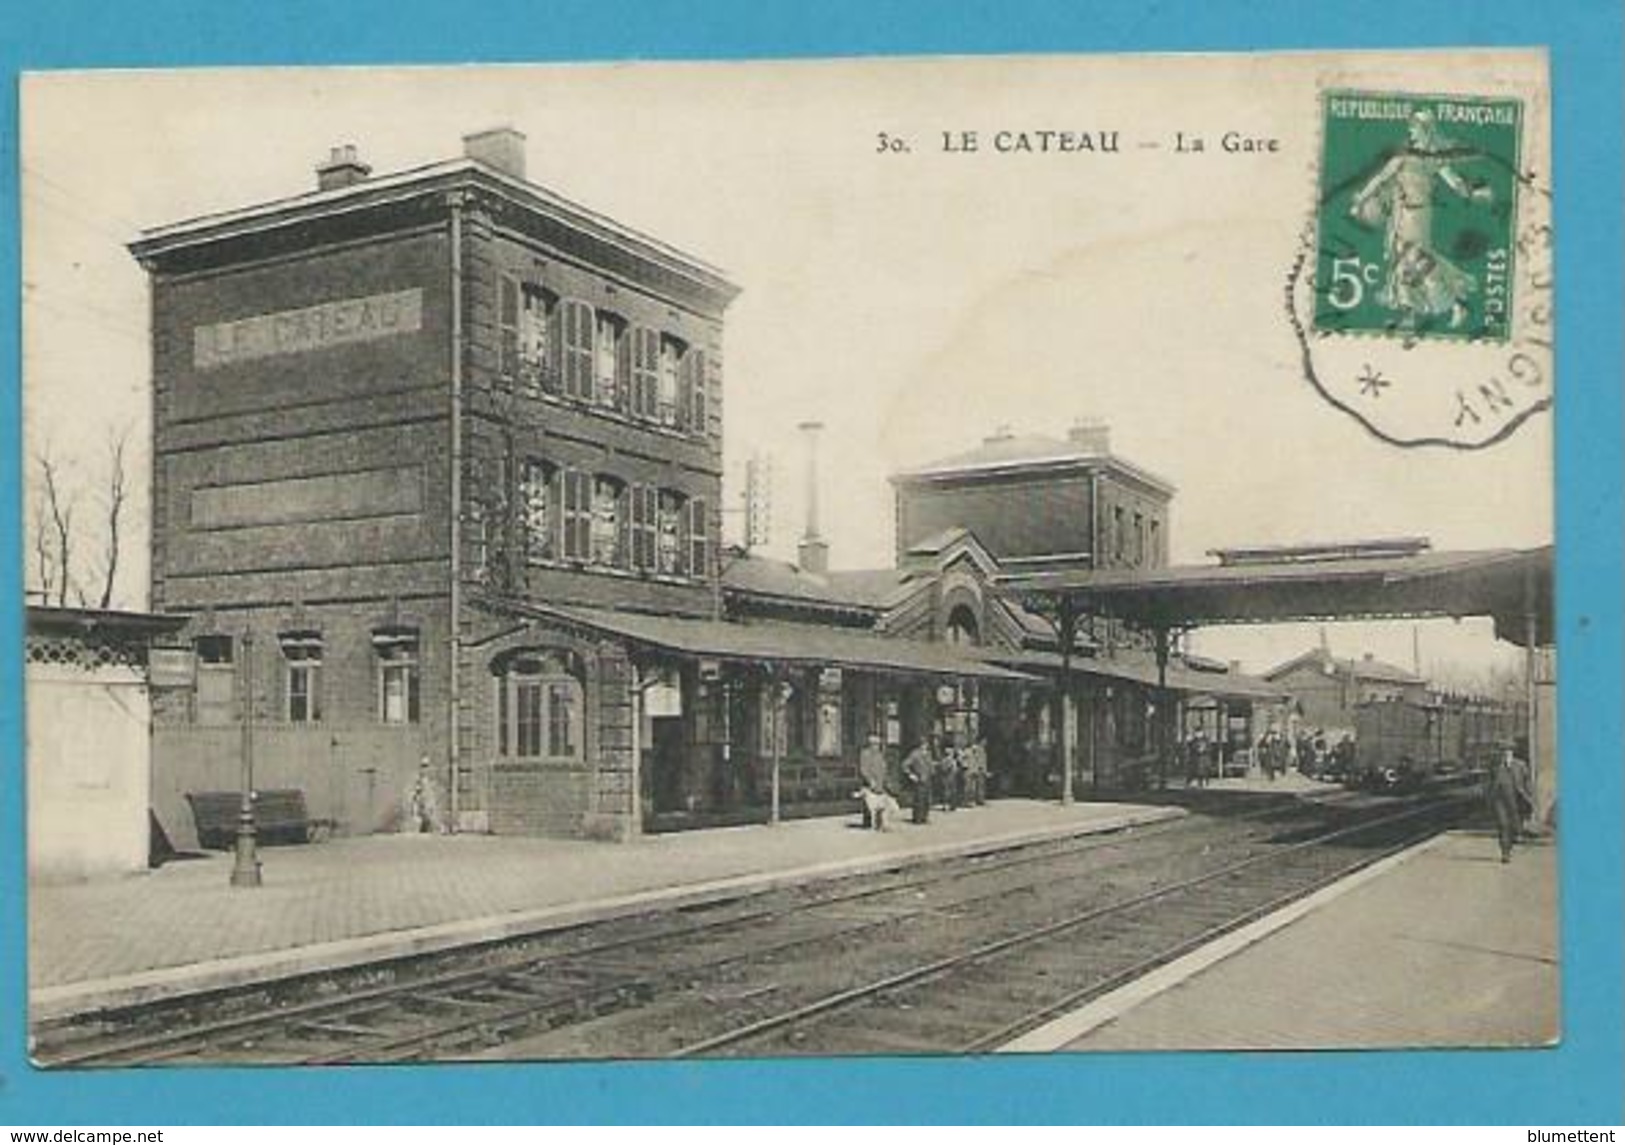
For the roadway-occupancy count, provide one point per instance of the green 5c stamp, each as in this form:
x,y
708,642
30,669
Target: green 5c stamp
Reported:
x,y
1417,216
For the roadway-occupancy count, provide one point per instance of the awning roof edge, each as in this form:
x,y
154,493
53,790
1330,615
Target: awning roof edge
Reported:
x,y
769,641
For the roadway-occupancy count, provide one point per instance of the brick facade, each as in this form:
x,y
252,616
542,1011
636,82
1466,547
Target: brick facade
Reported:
x,y
306,354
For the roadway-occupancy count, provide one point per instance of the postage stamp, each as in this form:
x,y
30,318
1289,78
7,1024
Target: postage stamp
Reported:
x,y
1422,293
1418,202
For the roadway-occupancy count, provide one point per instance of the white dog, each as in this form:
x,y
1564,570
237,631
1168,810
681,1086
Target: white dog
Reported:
x,y
880,807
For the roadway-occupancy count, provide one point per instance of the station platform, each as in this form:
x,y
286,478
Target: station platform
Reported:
x,y
1440,946
183,929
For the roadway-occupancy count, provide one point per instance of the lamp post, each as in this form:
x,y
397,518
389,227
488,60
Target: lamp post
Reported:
x,y
245,871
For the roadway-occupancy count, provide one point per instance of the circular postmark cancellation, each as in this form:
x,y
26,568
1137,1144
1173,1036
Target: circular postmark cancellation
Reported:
x,y
1421,295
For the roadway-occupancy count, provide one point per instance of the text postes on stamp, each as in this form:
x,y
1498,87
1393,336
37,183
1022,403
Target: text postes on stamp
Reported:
x,y
1422,298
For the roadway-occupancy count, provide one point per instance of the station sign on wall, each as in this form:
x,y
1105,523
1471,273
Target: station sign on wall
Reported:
x,y
337,323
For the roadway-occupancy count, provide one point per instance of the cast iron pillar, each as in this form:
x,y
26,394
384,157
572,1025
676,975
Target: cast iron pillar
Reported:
x,y
245,870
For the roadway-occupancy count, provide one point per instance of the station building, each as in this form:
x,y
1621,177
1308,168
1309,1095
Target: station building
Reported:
x,y
436,483
1327,690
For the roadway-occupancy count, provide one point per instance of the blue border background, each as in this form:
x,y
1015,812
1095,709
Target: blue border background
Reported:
x,y
1580,1082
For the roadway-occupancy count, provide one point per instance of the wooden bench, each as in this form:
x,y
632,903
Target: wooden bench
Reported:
x,y
279,817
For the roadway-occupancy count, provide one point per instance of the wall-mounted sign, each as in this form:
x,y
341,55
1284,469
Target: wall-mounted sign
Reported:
x,y
170,667
663,701
309,328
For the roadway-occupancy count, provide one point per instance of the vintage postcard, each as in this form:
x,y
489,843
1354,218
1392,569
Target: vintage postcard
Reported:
x,y
865,557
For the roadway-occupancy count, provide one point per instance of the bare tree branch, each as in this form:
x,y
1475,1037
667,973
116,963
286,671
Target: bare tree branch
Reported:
x,y
117,490
60,507
40,535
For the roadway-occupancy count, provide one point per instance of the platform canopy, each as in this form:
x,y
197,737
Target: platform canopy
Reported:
x,y
1402,579
777,642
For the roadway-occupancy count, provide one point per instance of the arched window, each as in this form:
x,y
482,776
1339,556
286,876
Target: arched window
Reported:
x,y
539,706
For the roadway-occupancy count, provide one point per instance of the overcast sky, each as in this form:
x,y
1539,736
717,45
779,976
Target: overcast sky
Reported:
x,y
912,302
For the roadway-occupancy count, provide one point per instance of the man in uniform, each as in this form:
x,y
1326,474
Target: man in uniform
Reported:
x,y
976,773
1510,796
917,768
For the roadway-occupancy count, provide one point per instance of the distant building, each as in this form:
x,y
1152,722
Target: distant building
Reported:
x,y
1326,690
1033,500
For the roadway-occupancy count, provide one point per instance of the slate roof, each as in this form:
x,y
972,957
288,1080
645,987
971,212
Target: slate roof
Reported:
x,y
1027,451
1358,669
782,642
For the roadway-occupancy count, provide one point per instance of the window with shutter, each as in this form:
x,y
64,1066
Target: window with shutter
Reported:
x,y
607,508
508,328
577,515
671,532
671,358
607,357
696,407
699,551
645,373
578,349
538,354
536,510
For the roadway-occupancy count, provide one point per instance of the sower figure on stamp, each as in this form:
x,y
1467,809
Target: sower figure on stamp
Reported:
x,y
1510,796
1420,282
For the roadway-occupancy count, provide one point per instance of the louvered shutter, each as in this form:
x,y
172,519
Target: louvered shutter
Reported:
x,y
699,409
508,327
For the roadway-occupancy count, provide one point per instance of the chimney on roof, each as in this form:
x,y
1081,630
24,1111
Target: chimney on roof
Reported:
x,y
343,168
501,147
1368,657
1092,435
812,554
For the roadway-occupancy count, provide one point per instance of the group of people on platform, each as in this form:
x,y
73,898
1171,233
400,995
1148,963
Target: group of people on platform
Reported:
x,y
1202,759
933,774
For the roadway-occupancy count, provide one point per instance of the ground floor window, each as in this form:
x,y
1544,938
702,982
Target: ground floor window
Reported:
x,y
215,697
398,675
539,708
302,668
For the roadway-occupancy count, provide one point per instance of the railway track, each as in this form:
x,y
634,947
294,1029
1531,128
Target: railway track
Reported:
x,y
963,1002
719,960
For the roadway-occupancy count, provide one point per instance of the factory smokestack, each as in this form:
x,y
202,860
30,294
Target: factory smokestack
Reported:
x,y
812,554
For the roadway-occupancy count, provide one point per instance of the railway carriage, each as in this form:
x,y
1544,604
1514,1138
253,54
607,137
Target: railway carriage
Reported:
x,y
1402,744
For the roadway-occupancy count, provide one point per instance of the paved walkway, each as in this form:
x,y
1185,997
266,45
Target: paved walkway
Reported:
x,y
1442,947
183,927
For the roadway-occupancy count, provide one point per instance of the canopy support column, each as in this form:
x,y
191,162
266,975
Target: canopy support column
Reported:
x,y
1067,631
1160,639
1531,664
